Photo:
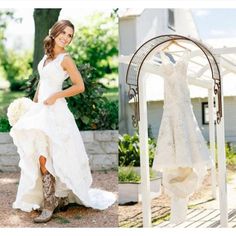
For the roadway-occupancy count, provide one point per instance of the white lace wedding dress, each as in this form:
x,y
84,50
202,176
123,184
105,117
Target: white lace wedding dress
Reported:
x,y
182,154
51,131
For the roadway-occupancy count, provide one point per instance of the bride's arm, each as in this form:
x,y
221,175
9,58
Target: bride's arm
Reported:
x,y
76,78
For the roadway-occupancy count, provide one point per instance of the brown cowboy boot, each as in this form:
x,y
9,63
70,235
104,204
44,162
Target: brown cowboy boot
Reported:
x,y
50,200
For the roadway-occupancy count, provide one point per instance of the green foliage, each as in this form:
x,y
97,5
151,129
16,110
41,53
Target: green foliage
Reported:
x,y
17,68
5,16
230,156
6,97
94,50
4,124
30,85
92,111
129,151
11,72
128,174
96,43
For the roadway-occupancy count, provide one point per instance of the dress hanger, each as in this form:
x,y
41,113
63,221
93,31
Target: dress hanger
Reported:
x,y
176,43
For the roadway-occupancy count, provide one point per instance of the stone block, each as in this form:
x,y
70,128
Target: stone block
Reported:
x,y
5,138
87,136
93,148
9,160
8,149
110,147
106,135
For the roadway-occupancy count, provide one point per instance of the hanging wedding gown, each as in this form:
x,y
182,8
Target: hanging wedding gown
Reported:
x,y
182,154
51,131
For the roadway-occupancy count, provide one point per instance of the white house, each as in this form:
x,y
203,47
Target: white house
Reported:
x,y
135,28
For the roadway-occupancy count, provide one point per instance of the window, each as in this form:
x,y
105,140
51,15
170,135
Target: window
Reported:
x,y
171,19
205,113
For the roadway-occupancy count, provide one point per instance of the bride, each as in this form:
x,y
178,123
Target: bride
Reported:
x,y
54,165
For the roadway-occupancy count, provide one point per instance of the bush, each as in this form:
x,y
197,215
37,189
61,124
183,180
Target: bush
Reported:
x,y
96,43
4,124
95,50
92,111
230,156
128,174
17,68
129,151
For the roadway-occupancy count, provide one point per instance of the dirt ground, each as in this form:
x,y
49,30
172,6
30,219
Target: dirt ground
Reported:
x,y
75,216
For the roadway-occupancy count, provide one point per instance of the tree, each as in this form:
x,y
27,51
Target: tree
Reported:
x,y
5,16
43,21
96,44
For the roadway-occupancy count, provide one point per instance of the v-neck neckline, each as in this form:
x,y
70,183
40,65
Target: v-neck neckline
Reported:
x,y
43,66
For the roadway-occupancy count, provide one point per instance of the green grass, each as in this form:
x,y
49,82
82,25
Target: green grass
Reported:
x,y
6,97
112,93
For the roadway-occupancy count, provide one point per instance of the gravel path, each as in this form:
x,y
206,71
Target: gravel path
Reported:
x,y
75,216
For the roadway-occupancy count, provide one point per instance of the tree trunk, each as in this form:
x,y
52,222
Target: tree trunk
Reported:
x,y
43,21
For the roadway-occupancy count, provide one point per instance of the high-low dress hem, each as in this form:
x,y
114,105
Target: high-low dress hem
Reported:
x,y
51,131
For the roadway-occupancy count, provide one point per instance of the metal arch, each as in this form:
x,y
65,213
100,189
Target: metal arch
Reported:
x,y
139,57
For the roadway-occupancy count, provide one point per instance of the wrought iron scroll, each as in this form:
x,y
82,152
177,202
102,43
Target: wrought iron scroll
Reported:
x,y
139,57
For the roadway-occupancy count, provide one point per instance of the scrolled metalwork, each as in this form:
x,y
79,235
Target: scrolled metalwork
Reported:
x,y
140,55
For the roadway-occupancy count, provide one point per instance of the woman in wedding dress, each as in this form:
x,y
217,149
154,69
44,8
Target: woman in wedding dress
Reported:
x,y
54,164
182,154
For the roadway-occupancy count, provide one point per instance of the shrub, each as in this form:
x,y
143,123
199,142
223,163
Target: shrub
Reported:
x,y
128,174
92,110
230,156
17,68
4,124
96,43
129,151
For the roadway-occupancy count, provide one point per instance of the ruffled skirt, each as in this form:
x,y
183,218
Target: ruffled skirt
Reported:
x,y
51,131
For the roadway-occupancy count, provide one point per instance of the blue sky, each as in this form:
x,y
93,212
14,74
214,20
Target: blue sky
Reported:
x,y
215,23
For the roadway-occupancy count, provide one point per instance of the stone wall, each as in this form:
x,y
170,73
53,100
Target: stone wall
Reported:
x,y
101,146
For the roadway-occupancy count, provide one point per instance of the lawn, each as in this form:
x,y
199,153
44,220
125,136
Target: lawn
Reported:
x,y
112,93
6,97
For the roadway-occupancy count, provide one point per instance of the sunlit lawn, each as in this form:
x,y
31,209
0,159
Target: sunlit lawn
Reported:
x,y
6,97
112,93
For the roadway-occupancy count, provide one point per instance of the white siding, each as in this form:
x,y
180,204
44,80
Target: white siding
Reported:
x,y
136,28
155,111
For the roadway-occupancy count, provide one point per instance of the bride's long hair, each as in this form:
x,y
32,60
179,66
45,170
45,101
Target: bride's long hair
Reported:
x,y
56,29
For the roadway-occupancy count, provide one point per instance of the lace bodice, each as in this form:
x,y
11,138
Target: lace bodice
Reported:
x,y
175,79
52,76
